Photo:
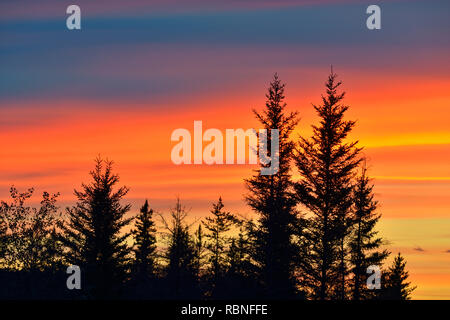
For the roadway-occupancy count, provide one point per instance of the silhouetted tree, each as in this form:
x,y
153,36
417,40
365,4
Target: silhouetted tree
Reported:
x,y
95,236
326,164
364,239
240,254
3,237
272,198
145,244
199,257
240,281
324,252
396,286
181,271
235,256
31,254
30,235
218,225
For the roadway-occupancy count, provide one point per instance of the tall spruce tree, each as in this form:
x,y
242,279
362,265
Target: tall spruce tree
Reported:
x,y
326,164
272,198
365,242
145,243
95,236
396,285
218,225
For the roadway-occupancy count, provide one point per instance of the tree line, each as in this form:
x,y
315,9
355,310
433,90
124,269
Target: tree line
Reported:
x,y
313,237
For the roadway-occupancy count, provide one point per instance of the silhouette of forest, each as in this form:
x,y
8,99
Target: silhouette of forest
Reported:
x,y
313,237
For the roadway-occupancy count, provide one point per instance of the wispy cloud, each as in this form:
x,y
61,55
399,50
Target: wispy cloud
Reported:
x,y
419,249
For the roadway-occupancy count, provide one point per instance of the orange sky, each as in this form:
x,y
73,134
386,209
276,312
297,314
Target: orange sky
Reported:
x,y
140,69
404,131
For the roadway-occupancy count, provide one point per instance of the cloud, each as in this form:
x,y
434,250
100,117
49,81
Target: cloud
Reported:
x,y
419,249
100,62
447,251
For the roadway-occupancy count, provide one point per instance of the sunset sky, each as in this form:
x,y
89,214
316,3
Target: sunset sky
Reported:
x,y
140,69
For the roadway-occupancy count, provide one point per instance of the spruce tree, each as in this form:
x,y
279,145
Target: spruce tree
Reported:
x,y
240,281
365,241
326,165
244,247
272,198
234,258
217,225
396,285
181,271
95,236
145,243
199,250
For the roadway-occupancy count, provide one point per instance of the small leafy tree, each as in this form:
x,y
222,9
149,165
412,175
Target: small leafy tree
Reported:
x,y
3,229
30,236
